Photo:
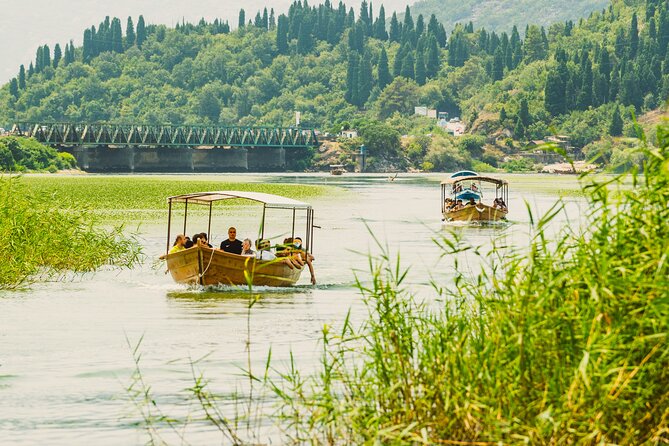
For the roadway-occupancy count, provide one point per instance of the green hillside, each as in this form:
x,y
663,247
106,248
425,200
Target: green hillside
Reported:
x,y
342,68
501,15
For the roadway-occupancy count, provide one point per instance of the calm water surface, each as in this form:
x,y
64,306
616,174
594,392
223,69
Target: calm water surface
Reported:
x,y
66,347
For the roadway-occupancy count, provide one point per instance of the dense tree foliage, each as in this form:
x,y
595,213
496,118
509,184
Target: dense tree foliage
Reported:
x,y
20,154
334,65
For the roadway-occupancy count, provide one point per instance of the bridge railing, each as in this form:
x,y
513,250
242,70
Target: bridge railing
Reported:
x,y
127,135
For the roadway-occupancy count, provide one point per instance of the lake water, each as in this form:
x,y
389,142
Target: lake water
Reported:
x,y
66,348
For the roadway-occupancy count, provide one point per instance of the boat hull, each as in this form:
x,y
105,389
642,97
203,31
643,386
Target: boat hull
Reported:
x,y
207,266
480,212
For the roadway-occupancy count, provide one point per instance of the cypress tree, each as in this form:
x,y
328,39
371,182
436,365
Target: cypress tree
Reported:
x,y
363,18
616,125
14,88
420,69
634,36
554,94
88,46
408,21
265,19
519,129
365,81
350,18
498,65
117,36
46,57
394,35
662,34
420,25
524,113
257,21
31,70
304,40
441,38
397,63
22,78
585,94
282,34
242,19
383,72
514,41
380,25
614,85
408,66
57,55
502,115
432,63
39,59
129,33
433,26
352,78
272,19
620,43
141,31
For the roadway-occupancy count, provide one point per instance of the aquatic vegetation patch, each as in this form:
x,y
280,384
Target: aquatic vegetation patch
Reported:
x,y
44,236
129,198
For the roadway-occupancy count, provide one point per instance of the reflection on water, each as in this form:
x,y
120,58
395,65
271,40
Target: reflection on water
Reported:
x,y
66,348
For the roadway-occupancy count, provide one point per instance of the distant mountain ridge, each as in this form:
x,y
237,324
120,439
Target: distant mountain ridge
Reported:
x,y
501,15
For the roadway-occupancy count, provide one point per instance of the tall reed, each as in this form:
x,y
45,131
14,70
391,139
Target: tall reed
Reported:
x,y
563,343
42,237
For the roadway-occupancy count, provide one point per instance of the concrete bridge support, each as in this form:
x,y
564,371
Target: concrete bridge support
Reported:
x,y
104,159
266,159
162,160
219,160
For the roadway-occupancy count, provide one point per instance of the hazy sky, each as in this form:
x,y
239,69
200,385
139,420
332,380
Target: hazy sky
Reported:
x,y
27,24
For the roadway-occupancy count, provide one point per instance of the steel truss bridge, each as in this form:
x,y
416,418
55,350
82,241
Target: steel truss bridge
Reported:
x,y
165,136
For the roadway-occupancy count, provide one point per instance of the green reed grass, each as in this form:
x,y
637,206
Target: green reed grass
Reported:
x,y
563,343
44,237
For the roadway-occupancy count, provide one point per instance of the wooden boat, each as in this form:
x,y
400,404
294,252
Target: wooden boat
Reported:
x,y
337,169
467,185
211,266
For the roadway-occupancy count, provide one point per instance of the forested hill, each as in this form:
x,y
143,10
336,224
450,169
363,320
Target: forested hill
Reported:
x,y
501,15
343,67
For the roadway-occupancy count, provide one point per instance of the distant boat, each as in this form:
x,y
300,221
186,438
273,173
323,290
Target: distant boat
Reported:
x,y
210,266
462,198
337,169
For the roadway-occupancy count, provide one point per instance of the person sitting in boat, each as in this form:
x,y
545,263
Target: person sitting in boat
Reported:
x,y
204,240
306,257
499,204
474,187
231,244
178,244
263,250
284,249
246,248
471,202
458,205
189,243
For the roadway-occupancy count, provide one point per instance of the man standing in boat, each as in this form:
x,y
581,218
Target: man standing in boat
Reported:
x,y
231,244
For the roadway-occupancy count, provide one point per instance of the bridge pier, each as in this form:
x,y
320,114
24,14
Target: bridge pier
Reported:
x,y
266,159
220,160
162,160
104,159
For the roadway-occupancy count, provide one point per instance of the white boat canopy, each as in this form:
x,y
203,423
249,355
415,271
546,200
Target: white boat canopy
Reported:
x,y
270,200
